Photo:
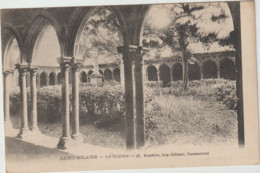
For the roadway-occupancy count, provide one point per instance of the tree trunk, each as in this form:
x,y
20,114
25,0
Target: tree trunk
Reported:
x,y
185,73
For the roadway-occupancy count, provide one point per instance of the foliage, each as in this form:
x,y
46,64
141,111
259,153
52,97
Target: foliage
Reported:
x,y
100,37
227,95
169,112
190,24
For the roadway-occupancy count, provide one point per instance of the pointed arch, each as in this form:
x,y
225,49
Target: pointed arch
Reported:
x,y
77,21
9,33
35,29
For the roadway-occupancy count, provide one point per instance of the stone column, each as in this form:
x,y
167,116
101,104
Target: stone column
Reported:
x,y
139,98
171,70
158,75
7,86
75,101
201,72
129,96
65,138
47,79
218,71
24,130
34,124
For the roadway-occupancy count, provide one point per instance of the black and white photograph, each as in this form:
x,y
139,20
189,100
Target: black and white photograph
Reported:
x,y
129,86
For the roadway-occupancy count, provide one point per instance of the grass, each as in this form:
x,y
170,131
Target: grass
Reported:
x,y
191,120
111,136
192,117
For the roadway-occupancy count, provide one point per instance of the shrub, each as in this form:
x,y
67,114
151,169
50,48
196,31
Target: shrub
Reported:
x,y
103,101
226,93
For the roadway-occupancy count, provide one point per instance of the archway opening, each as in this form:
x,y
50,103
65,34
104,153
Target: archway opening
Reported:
x,y
152,73
210,70
52,79
98,39
46,51
177,72
194,71
108,75
227,69
43,79
83,77
11,58
165,74
116,74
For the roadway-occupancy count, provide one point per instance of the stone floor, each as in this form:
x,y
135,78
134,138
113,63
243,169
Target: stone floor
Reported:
x,y
39,153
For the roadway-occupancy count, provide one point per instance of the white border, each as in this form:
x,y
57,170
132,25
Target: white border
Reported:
x,y
68,3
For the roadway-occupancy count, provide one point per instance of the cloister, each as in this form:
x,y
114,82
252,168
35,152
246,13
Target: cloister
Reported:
x,y
27,25
206,65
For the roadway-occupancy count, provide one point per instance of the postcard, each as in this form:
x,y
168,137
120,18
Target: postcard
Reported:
x,y
129,86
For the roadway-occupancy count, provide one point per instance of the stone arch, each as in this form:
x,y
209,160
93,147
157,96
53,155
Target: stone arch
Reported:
x,y
194,71
165,74
59,78
108,75
227,69
116,74
43,79
35,30
77,21
52,78
152,73
83,77
210,69
177,72
9,34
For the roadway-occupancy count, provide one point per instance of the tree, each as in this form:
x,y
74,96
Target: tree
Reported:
x,y
190,24
100,37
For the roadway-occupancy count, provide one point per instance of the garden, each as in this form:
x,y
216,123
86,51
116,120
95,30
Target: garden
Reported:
x,y
205,113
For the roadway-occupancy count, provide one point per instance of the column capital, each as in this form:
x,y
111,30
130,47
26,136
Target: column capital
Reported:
x,y
129,49
22,68
64,59
7,71
33,70
65,66
131,52
76,63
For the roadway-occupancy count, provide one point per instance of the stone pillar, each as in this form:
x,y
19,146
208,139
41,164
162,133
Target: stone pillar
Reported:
x,y
139,98
171,70
201,72
75,101
34,124
24,130
47,79
218,71
65,138
129,96
7,86
158,75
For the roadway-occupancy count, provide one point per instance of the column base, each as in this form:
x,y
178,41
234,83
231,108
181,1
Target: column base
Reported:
x,y
65,142
77,137
24,132
35,130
